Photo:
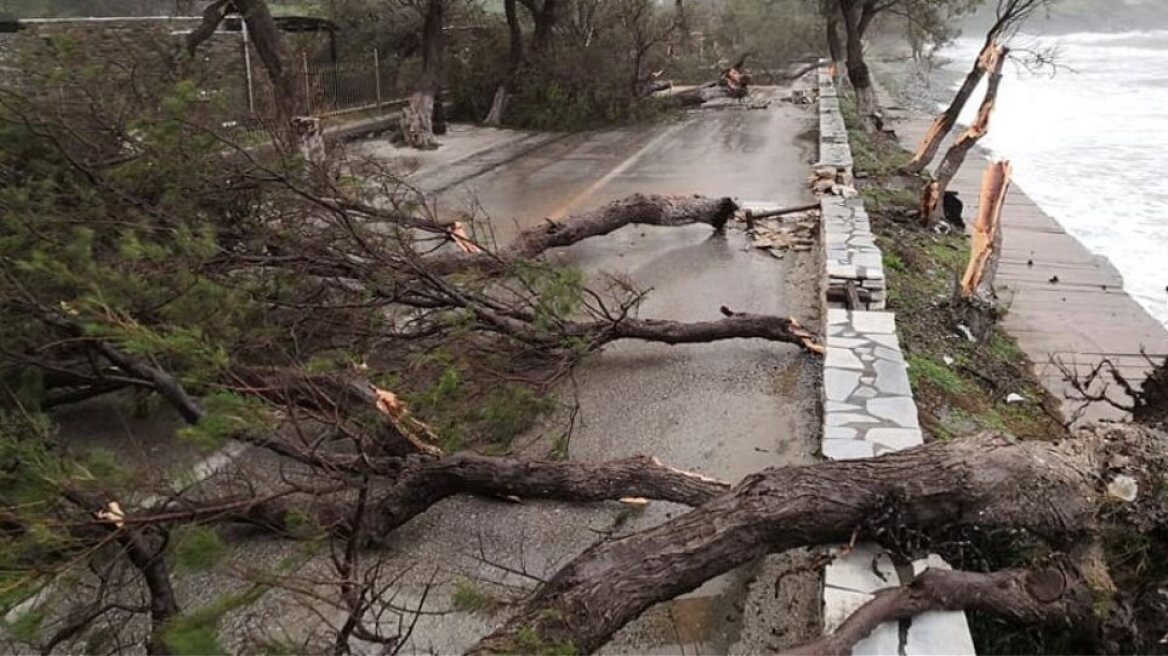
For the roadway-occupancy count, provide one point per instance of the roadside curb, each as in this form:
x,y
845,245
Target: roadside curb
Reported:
x,y
868,406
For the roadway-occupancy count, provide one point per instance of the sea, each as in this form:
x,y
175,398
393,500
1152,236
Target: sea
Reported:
x,y
1088,141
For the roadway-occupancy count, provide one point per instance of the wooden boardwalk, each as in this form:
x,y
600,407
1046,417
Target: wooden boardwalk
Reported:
x,y
1082,318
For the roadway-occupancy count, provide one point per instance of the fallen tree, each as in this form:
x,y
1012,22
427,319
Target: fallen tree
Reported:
x,y
1052,491
734,82
1066,496
289,319
635,210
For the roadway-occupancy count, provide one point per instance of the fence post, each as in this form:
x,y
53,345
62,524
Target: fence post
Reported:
x,y
307,84
247,66
377,76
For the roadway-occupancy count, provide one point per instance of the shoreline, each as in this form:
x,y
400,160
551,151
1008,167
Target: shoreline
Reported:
x,y
1042,168
1065,303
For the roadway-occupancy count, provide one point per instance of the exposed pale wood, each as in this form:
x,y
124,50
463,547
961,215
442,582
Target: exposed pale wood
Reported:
x,y
985,242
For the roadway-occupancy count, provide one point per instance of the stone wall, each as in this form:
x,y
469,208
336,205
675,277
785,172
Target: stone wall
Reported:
x,y
868,407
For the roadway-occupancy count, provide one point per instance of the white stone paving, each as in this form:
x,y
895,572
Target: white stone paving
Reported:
x,y
868,407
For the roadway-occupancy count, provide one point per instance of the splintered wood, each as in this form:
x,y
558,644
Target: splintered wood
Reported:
x,y
464,242
418,433
986,242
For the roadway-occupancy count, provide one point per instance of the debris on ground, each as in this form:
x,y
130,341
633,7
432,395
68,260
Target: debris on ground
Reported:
x,y
791,232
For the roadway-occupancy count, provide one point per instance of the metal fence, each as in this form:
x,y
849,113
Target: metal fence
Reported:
x,y
349,86
354,84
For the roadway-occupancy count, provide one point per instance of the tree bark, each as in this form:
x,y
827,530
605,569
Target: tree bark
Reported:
x,y
273,51
634,210
835,47
955,156
1056,595
736,325
857,16
987,481
146,551
417,121
545,21
269,43
419,482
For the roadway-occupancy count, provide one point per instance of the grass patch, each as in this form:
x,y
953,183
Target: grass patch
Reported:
x,y
923,371
470,599
967,395
871,154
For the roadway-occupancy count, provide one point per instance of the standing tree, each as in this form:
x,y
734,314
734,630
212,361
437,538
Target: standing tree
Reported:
x,y
544,16
514,63
417,123
934,191
857,18
829,10
859,15
1010,15
269,43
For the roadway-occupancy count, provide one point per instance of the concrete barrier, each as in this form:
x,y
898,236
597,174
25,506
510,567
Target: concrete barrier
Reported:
x,y
868,406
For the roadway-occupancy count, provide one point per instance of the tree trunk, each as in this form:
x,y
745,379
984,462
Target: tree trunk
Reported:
x,y
935,191
420,482
515,59
1054,595
146,551
498,106
269,43
857,18
273,51
988,482
834,46
634,210
417,123
985,247
545,21
931,143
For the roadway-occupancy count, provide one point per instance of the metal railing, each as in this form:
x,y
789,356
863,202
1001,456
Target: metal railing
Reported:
x,y
348,86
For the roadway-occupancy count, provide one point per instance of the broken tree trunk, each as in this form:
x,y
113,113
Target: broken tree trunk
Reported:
x,y
985,246
634,210
931,208
944,123
735,325
989,481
